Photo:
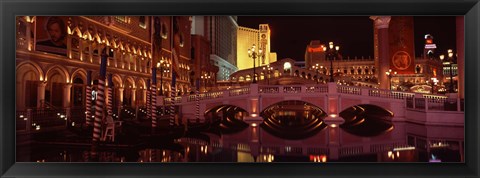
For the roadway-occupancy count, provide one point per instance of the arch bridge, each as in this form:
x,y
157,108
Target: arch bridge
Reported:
x,y
331,98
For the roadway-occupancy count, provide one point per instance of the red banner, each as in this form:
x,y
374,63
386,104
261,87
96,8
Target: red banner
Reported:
x,y
402,48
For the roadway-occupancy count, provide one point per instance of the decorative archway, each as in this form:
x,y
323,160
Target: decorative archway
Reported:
x,y
79,81
28,76
56,78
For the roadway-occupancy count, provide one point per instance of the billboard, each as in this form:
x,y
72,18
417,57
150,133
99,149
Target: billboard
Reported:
x,y
51,35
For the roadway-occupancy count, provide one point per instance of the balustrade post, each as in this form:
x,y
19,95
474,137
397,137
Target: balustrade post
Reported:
x,y
332,88
364,91
426,104
29,120
303,89
254,89
226,93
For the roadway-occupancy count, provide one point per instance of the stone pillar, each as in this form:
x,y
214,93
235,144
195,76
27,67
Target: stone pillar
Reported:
x,y
144,93
122,54
80,49
134,94
69,46
120,100
461,55
120,93
66,95
381,24
28,36
41,94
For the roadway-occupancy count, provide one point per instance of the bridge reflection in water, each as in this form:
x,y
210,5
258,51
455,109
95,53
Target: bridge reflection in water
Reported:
x,y
292,131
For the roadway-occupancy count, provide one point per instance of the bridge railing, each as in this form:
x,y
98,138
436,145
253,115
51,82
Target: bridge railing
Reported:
x,y
389,94
269,89
317,89
36,119
412,100
293,89
349,90
434,103
239,91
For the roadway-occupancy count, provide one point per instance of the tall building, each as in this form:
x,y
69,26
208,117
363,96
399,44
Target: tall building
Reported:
x,y
221,31
205,70
314,53
247,37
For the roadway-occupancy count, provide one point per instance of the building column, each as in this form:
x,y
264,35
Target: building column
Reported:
x,y
461,55
80,49
41,93
120,99
28,36
67,95
144,93
120,93
381,24
134,94
90,51
69,46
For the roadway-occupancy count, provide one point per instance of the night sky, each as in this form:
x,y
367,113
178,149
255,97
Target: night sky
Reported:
x,y
291,34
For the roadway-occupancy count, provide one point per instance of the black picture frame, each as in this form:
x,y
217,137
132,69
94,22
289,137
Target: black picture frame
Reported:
x,y
9,9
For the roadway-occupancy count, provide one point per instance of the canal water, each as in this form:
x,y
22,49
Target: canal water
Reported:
x,y
352,141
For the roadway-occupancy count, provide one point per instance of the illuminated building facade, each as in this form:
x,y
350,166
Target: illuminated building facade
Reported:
x,y
54,73
261,39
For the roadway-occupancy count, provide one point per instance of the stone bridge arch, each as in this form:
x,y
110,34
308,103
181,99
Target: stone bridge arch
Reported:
x,y
237,111
367,120
293,119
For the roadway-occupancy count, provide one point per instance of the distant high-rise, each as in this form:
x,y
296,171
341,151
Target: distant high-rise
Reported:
x,y
248,37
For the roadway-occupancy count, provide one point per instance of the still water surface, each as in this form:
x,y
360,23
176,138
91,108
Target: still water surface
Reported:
x,y
407,142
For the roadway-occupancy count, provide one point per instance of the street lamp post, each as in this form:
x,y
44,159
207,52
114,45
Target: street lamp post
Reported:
x,y
164,68
450,59
316,68
253,54
434,82
332,54
268,70
390,75
205,77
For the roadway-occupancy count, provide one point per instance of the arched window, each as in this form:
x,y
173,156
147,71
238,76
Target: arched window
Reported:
x,y
287,66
